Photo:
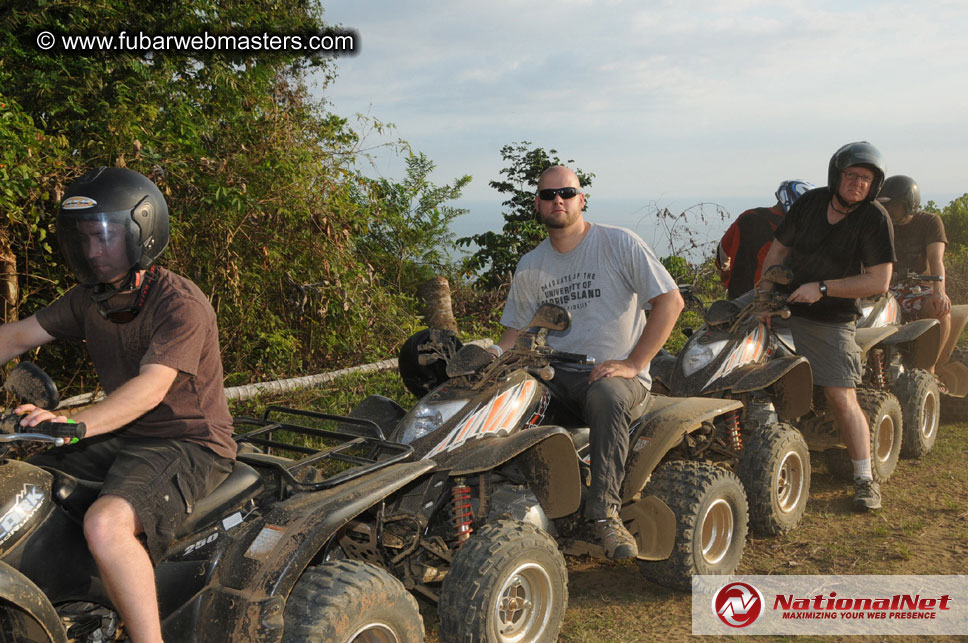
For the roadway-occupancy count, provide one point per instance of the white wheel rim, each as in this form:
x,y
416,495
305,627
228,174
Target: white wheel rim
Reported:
x,y
885,438
930,417
717,531
374,633
788,483
523,608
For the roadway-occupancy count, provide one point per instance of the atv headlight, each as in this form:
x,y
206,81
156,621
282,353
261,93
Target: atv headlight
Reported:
x,y
698,355
427,417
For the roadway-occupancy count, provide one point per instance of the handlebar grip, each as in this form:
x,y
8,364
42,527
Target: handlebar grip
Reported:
x,y
67,430
573,357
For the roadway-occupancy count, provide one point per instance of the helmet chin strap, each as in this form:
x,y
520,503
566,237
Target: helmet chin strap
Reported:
x,y
844,203
103,292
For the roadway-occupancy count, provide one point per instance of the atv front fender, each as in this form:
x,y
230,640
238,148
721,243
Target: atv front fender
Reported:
x,y
547,457
25,597
663,425
792,379
919,342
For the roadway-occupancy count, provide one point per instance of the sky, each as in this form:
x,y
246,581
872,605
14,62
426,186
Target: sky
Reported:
x,y
668,103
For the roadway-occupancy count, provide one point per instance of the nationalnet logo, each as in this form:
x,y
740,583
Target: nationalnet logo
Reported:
x,y
738,604
830,605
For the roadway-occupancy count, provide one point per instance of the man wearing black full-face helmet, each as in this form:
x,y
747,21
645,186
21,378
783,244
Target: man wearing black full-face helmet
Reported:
x,y
839,243
162,436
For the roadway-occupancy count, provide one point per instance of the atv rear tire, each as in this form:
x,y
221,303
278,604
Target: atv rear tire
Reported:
x,y
351,601
508,583
711,521
955,409
917,392
884,418
775,470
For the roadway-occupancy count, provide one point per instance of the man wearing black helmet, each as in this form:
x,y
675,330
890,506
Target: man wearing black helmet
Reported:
x,y
920,239
162,436
740,254
839,243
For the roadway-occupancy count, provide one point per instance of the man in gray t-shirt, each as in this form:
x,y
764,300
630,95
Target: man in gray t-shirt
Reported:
x,y
606,277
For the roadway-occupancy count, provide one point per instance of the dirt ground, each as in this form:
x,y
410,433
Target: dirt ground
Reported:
x,y
922,529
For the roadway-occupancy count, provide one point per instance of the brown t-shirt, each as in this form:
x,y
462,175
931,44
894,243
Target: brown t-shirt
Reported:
x,y
912,239
176,328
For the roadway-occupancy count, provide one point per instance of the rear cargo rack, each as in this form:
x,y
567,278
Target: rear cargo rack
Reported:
x,y
305,469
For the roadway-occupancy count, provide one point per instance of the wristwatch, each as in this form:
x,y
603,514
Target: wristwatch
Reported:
x,y
823,288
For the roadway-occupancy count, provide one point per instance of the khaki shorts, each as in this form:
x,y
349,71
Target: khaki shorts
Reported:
x,y
830,348
161,478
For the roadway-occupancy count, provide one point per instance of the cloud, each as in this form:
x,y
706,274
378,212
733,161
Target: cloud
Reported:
x,y
733,89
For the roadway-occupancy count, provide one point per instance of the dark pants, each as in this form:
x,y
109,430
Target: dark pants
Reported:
x,y
606,406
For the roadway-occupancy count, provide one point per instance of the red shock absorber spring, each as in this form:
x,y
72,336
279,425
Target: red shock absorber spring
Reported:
x,y
460,498
877,369
732,430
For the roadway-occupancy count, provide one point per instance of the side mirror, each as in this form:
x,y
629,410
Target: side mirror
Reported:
x,y
552,317
27,382
779,274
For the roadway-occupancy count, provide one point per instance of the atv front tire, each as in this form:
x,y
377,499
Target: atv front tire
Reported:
x,y
508,584
884,418
917,392
775,470
351,601
711,522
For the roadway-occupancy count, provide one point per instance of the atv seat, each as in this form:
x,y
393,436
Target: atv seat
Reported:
x,y
76,495
240,485
867,338
581,435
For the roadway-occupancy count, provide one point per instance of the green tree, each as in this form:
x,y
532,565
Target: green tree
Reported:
x,y
499,253
260,178
408,231
955,218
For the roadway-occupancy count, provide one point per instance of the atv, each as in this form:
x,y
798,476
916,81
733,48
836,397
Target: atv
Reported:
x,y
249,564
736,354
485,427
922,417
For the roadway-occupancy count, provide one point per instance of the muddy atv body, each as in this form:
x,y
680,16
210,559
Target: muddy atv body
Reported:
x,y
922,402
250,562
486,429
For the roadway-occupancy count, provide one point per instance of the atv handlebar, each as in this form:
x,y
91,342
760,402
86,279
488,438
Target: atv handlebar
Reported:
x,y
68,430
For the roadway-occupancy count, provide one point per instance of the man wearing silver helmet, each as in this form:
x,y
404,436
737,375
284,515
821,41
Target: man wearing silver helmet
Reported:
x,y
162,437
839,243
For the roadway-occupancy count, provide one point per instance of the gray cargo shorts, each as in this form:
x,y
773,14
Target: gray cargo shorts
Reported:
x,y
830,348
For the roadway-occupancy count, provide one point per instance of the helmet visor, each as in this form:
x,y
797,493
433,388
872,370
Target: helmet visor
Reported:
x,y
99,247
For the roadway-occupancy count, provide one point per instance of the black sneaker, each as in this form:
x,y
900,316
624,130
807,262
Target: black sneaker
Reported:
x,y
867,495
616,539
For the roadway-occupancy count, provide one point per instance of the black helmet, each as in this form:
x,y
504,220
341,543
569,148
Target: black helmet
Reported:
x,y
860,153
112,205
901,195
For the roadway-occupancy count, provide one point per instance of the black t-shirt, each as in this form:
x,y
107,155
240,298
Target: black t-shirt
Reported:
x,y
821,251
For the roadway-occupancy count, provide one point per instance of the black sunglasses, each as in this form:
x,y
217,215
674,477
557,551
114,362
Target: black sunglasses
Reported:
x,y
549,194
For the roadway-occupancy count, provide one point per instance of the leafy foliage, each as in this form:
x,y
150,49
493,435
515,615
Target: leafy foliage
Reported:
x,y
269,213
498,254
408,233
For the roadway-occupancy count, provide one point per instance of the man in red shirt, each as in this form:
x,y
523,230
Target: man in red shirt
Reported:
x,y
742,249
